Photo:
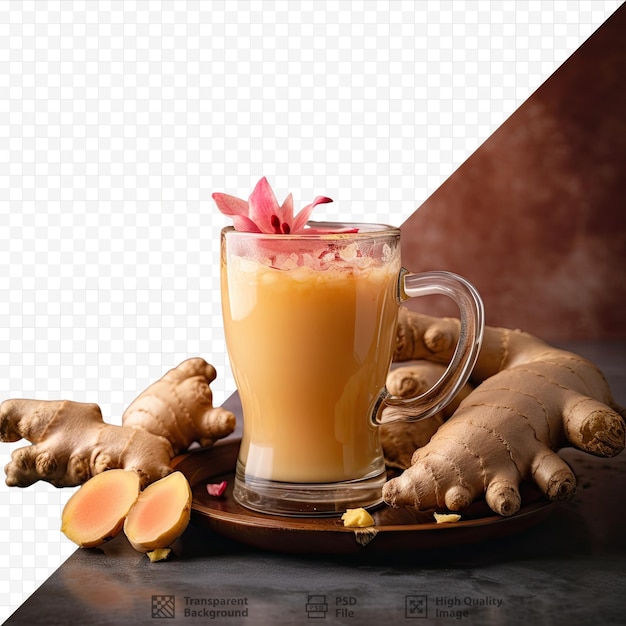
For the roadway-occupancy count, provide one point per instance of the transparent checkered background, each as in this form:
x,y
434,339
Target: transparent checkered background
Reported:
x,y
119,118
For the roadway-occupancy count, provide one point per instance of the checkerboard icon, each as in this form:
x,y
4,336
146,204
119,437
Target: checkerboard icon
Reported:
x,y
163,607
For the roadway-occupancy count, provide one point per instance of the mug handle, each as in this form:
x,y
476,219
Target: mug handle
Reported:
x,y
472,318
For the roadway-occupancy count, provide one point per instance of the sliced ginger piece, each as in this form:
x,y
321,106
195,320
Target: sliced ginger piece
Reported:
x,y
446,518
96,512
160,554
160,514
357,518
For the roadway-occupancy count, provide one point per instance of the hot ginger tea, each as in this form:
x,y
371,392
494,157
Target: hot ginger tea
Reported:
x,y
310,335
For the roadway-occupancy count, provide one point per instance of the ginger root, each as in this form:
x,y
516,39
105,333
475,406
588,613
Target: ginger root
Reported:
x,y
96,512
400,439
179,407
71,442
531,400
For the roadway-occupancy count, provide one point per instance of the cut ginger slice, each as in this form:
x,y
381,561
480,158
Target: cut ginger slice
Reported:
x,y
160,515
95,513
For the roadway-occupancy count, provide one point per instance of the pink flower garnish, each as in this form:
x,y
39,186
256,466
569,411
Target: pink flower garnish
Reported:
x,y
217,489
262,213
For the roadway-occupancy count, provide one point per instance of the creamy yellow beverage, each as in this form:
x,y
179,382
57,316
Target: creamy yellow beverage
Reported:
x,y
309,339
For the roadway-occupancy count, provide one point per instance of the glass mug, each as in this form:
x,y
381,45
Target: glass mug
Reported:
x,y
310,325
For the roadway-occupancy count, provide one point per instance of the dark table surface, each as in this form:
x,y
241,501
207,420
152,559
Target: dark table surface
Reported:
x,y
569,568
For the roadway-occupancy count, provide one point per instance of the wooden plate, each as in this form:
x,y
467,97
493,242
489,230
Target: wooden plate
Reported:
x,y
396,529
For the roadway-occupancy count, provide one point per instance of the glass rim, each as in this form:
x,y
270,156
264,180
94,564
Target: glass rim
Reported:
x,y
365,230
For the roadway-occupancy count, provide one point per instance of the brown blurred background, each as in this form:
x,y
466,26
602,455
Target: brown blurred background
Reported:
x,y
536,217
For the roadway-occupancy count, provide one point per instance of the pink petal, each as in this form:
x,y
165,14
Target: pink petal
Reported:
x,y
286,210
217,489
303,217
263,206
230,205
244,223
